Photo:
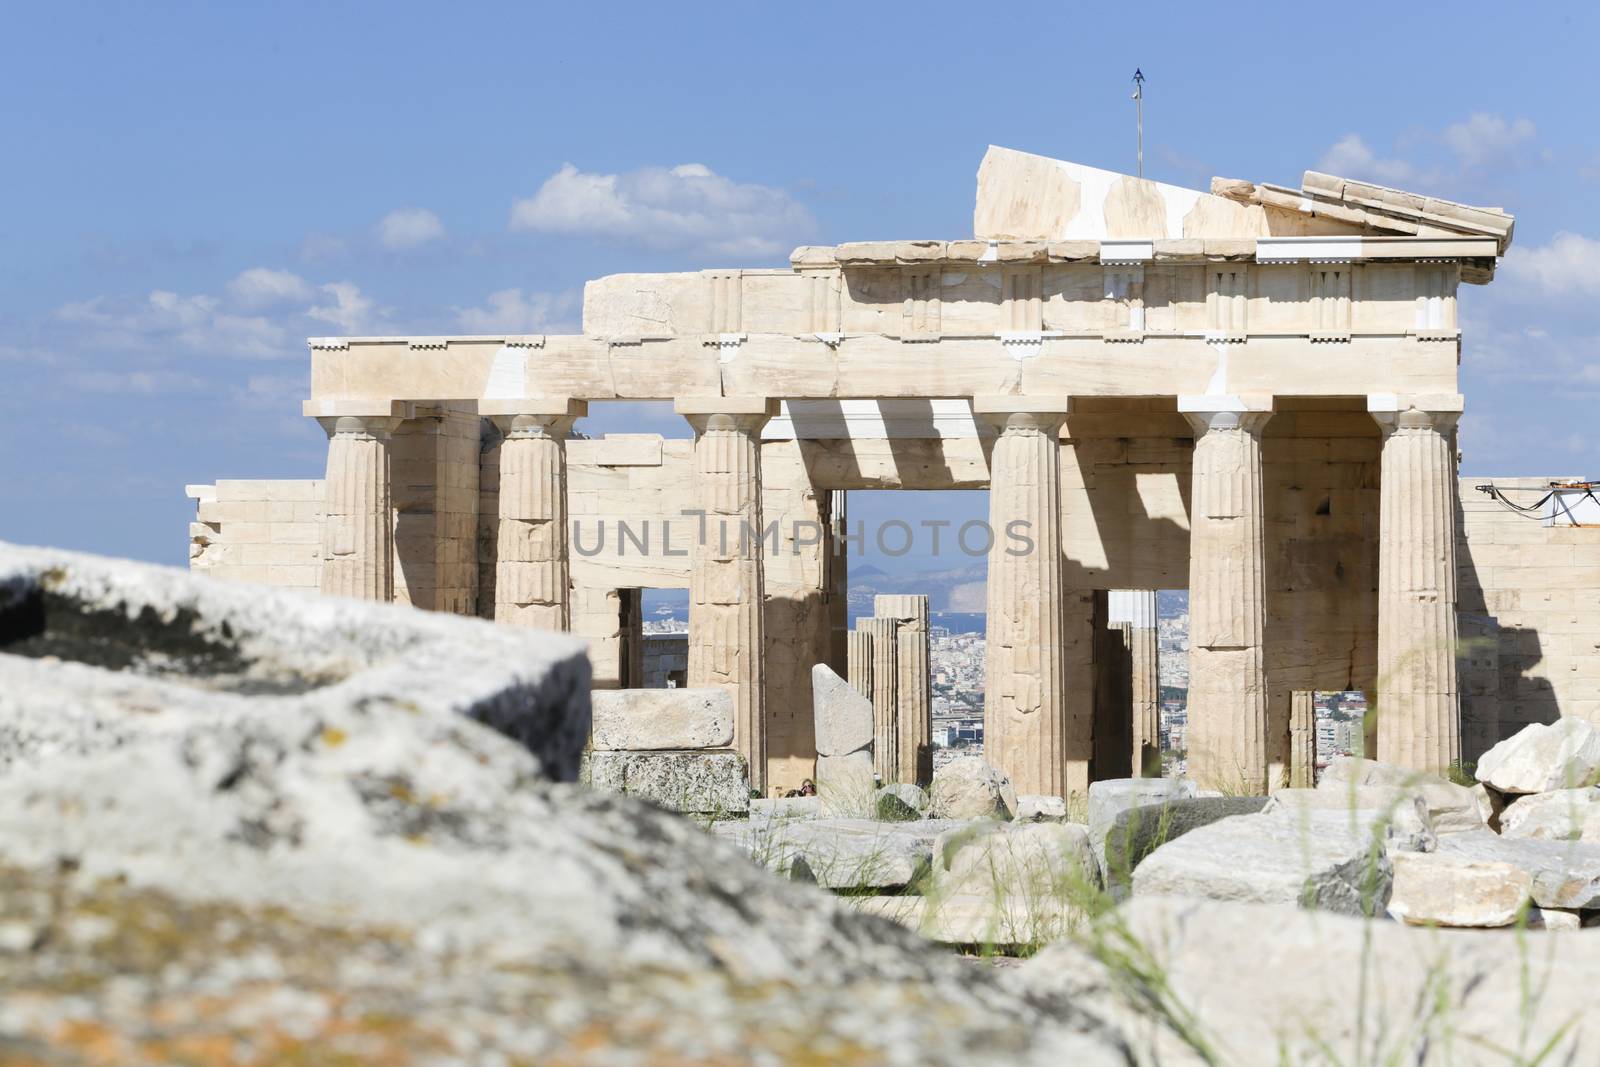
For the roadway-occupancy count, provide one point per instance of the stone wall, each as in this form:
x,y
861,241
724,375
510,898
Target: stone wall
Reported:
x,y
434,467
666,661
1527,597
258,531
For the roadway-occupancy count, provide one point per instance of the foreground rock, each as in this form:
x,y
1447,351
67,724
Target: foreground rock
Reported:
x,y
968,788
1316,859
656,719
1539,758
1039,807
1566,874
1254,984
1036,861
98,653
387,880
1432,889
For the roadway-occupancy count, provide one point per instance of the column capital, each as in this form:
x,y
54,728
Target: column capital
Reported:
x,y
1430,411
746,414
1249,412
374,427
334,407
1033,412
537,416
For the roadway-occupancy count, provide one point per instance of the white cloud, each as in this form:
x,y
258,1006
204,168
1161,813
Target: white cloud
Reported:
x,y
409,227
165,320
1351,157
510,311
1568,265
352,312
689,207
1484,139
140,382
262,287
1479,144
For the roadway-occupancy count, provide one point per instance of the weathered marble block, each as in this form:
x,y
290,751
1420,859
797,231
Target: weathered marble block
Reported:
x,y
695,783
101,652
650,720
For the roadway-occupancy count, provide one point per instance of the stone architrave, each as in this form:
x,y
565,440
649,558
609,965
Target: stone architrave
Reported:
x,y
914,690
1302,739
1227,595
726,579
1417,692
358,530
532,584
858,646
884,635
1025,727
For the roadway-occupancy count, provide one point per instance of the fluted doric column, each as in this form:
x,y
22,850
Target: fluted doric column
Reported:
x,y
1418,701
914,696
858,646
1026,732
885,695
532,584
1137,608
1227,595
726,579
1302,739
358,510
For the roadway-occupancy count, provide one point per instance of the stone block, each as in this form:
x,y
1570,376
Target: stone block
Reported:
x,y
1003,923
847,786
1451,808
1111,797
1137,832
900,802
1396,817
1037,861
644,720
841,853
1447,890
842,716
1539,758
1314,859
695,783
1560,815
1035,807
1566,874
968,788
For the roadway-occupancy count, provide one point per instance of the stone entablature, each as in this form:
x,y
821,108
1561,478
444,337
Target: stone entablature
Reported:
x,y
1170,388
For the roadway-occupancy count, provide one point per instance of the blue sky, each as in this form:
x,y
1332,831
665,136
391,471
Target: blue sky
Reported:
x,y
190,190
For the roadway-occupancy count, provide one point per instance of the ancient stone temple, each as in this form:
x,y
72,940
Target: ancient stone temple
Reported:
x,y
1250,393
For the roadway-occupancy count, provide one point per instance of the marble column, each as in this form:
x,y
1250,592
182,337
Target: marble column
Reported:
x,y
1025,728
885,634
726,577
1302,739
1418,705
1227,595
532,561
859,649
914,696
1137,608
358,524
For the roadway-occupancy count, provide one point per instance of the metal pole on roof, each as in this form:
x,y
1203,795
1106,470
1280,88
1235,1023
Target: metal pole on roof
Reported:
x,y
1138,107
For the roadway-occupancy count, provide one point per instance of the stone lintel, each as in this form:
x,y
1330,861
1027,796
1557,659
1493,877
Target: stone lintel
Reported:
x,y
557,406
361,407
726,405
1045,404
